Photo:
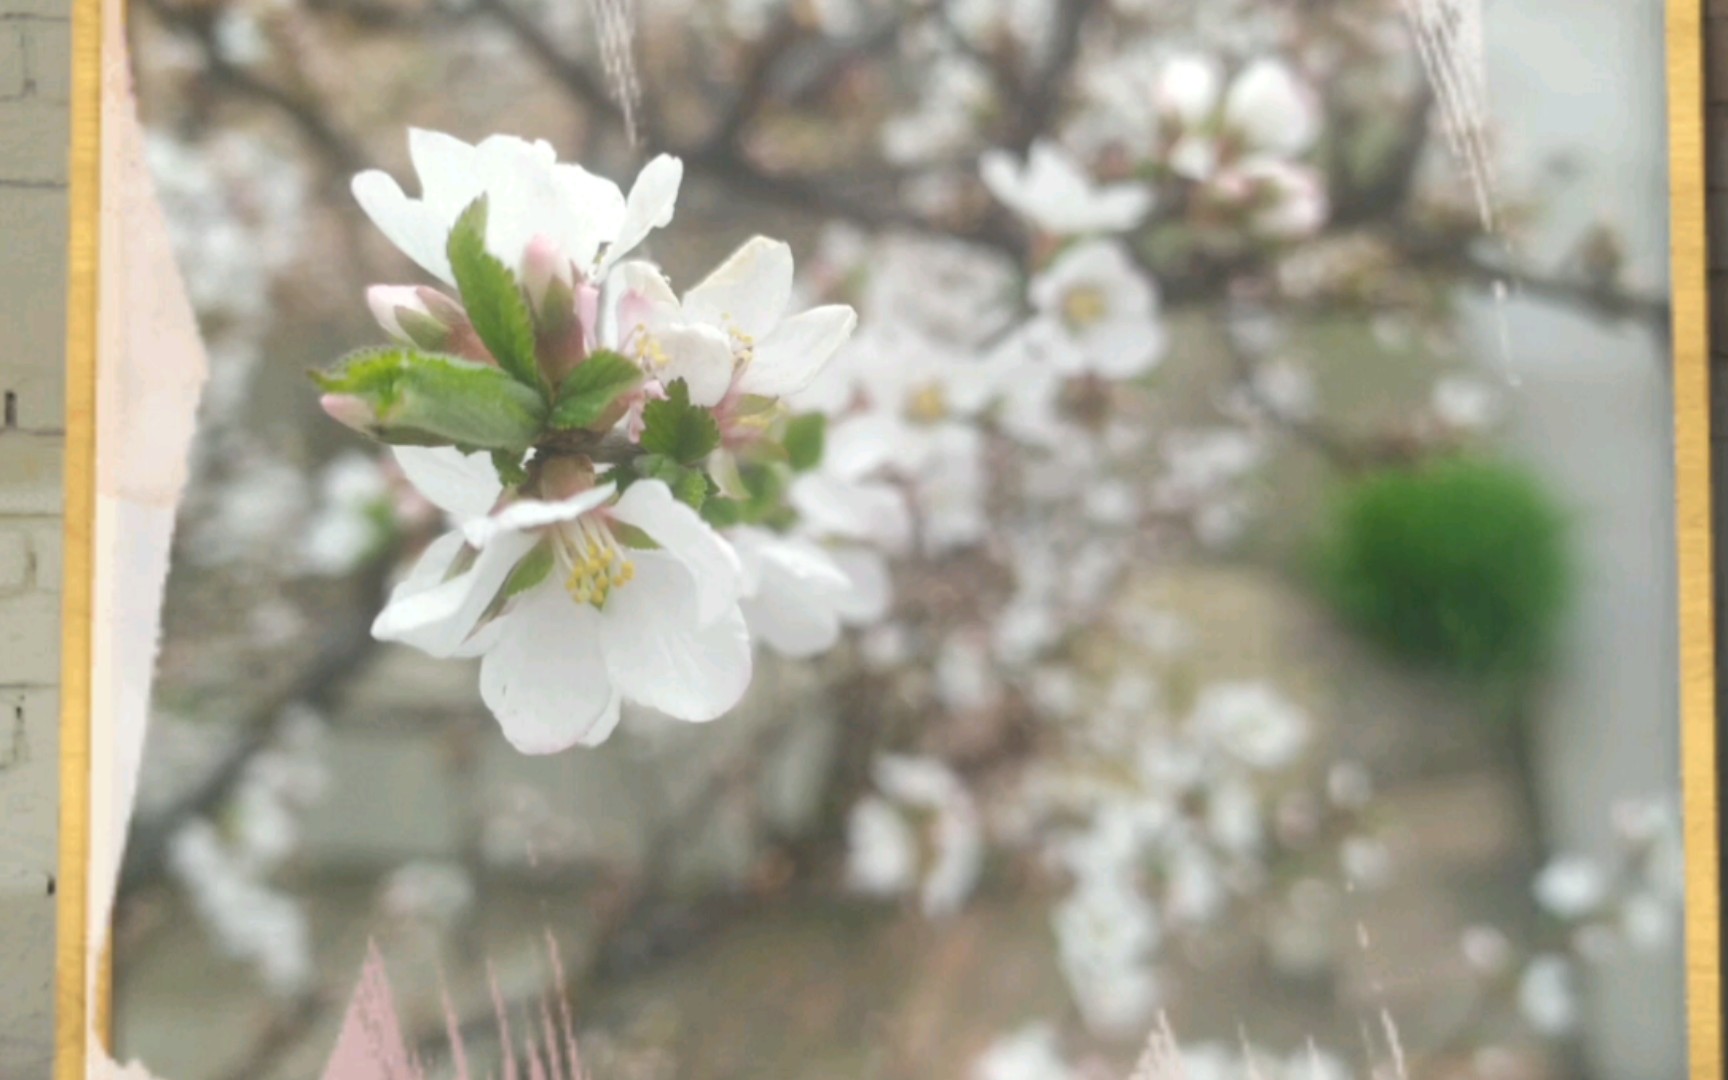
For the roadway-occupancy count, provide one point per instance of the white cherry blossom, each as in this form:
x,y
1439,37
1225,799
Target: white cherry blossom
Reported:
x,y
1271,110
606,623
1097,313
1053,192
588,220
939,857
730,335
795,597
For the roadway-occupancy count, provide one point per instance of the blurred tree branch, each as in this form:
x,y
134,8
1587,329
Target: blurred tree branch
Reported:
x,y
308,115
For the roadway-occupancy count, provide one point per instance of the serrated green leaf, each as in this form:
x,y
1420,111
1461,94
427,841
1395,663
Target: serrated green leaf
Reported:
x,y
403,396
804,441
677,429
592,388
534,568
496,307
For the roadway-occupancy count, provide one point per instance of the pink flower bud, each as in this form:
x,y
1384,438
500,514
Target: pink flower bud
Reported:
x,y
441,307
349,411
415,314
543,263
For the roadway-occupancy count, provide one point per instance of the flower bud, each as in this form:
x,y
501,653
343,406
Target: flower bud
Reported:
x,y
559,327
416,315
546,273
350,411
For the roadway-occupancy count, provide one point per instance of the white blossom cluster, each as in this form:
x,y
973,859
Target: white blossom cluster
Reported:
x,y
591,579
226,862
1629,900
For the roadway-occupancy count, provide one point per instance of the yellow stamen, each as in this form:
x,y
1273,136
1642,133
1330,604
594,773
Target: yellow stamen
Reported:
x,y
1085,305
928,405
597,565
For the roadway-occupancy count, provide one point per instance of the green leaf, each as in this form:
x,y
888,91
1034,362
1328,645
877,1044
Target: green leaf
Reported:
x,y
496,307
805,437
677,429
722,512
592,388
403,396
534,568
508,463
691,488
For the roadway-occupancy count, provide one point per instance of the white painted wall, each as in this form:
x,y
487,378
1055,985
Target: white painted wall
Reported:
x,y
1594,414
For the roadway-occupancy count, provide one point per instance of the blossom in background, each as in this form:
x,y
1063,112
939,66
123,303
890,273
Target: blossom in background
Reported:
x,y
226,869
1105,932
795,597
904,406
587,621
1253,723
427,890
530,194
1097,314
1265,113
1571,886
1547,995
1281,200
1031,1053
921,834
1239,140
943,117
1464,403
1204,470
352,520
1053,192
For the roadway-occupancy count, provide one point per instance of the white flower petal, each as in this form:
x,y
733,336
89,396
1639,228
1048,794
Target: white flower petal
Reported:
x,y
1125,348
545,679
410,224
681,532
748,292
660,656
648,207
384,300
1053,192
439,620
831,507
527,514
701,356
462,485
432,567
446,168
795,351
1271,109
524,198
792,603
1001,175
1187,88
857,447
869,592
600,212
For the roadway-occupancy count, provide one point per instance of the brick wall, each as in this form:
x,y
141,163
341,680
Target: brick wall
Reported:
x,y
35,53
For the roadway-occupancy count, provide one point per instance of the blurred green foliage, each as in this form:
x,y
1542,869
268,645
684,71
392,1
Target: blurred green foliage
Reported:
x,y
1460,563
